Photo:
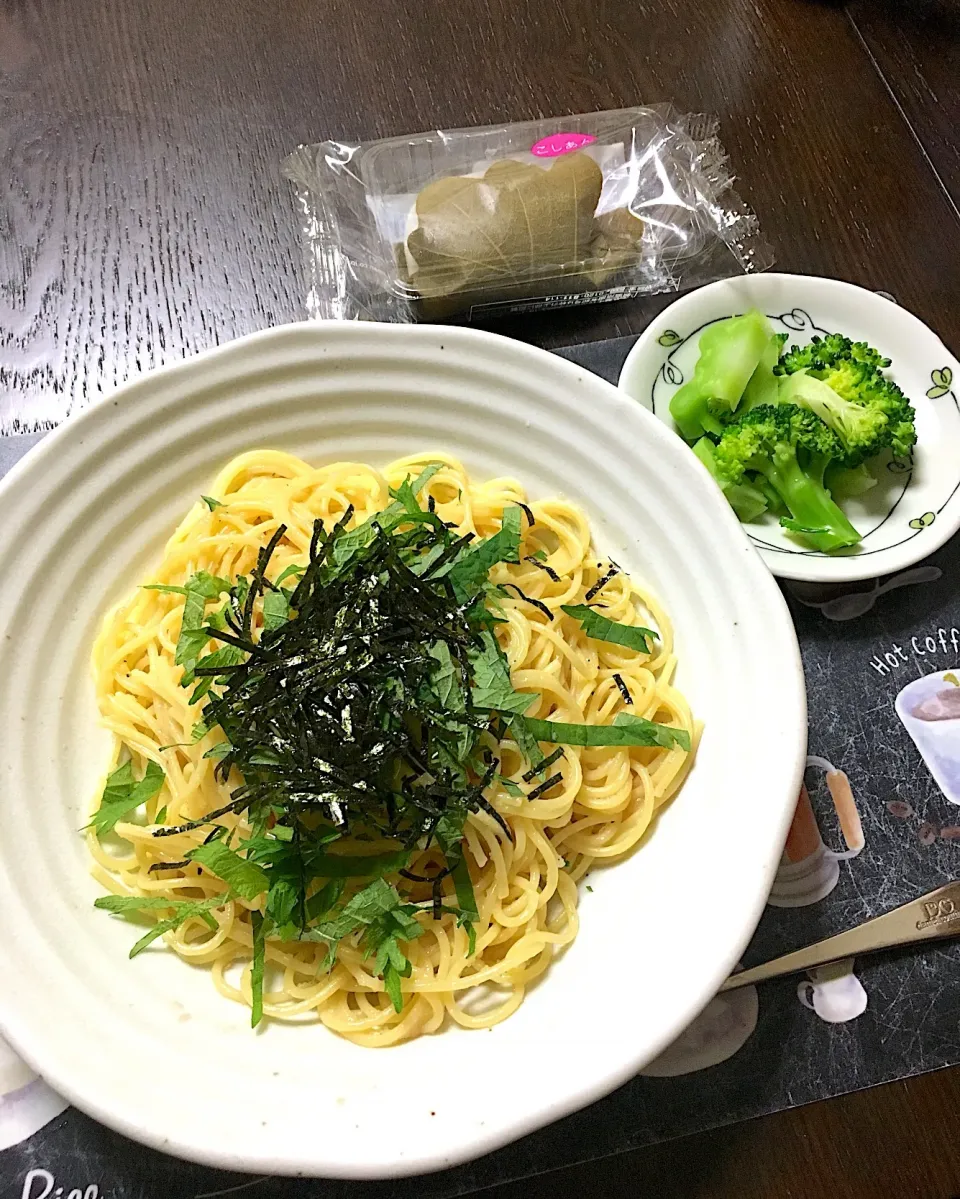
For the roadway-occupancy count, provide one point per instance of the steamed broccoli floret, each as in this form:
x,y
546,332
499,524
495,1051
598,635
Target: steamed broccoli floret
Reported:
x,y
747,500
823,352
861,384
730,351
841,381
863,429
767,440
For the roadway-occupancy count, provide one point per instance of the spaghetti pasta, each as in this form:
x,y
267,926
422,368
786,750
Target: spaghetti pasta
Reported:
x,y
525,884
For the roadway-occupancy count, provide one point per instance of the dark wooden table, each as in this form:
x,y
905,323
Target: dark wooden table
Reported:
x,y
143,216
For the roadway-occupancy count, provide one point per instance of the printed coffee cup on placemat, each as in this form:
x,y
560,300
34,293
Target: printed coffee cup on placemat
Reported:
x,y
930,710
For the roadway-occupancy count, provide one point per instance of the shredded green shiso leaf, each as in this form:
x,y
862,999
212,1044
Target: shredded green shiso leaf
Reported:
x,y
370,705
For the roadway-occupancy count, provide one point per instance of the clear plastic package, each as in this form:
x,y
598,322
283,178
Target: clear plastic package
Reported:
x,y
471,224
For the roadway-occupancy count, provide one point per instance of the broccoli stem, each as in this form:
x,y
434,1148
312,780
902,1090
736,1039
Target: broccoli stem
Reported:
x,y
764,385
845,483
814,466
729,353
814,517
747,501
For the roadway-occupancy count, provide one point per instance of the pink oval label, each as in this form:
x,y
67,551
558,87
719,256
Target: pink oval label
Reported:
x,y
560,143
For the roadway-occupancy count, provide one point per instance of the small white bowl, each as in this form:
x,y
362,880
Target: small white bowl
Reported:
x,y
916,506
149,1047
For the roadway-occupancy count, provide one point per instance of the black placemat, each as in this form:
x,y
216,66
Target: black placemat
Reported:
x,y
855,668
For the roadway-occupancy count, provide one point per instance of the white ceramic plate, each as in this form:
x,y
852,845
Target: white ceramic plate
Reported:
x,y
916,507
148,1046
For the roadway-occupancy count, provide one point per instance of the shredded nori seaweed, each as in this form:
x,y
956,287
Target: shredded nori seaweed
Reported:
x,y
544,765
169,865
547,570
544,787
356,713
538,604
601,583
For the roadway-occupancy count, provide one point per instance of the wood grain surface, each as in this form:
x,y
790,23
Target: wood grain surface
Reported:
x,y
143,217
916,48
892,1142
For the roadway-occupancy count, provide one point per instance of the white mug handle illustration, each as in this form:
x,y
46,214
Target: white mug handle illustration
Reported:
x,y
809,869
834,992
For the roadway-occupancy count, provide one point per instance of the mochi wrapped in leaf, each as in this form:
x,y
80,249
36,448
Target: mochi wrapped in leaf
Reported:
x,y
506,233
